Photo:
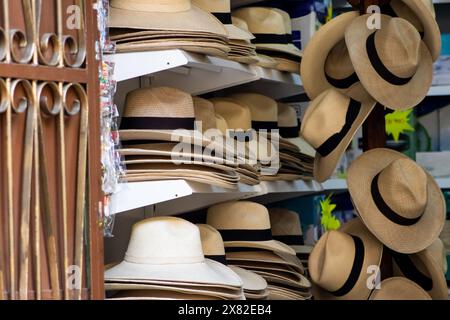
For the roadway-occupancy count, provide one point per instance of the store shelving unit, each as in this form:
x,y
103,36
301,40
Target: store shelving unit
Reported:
x,y
439,91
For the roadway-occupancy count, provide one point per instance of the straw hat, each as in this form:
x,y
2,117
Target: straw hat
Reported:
x,y
326,62
221,9
214,249
392,63
437,251
420,13
339,261
289,126
169,249
329,125
245,224
269,28
398,201
422,269
286,227
204,113
398,288
173,15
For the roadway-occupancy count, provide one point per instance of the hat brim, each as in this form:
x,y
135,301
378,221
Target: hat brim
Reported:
x,y
244,59
396,97
287,65
287,294
272,245
235,33
373,252
404,239
211,49
208,271
325,166
251,281
193,20
284,48
193,178
399,288
303,146
299,282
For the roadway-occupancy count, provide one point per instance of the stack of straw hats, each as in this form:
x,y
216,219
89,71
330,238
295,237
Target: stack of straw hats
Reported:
x,y
165,261
349,69
246,231
401,214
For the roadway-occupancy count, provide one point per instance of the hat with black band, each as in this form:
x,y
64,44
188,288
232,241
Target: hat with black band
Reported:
x,y
339,262
393,63
329,125
245,224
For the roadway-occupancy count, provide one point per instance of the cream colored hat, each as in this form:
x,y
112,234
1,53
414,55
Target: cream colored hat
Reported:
x,y
398,201
221,9
245,224
286,228
269,28
398,288
173,15
339,261
169,249
326,62
214,249
393,63
422,269
329,125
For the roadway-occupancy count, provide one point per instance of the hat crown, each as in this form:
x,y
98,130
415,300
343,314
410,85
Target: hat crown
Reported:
x,y
164,240
262,108
212,242
318,126
204,113
213,6
338,64
240,215
237,117
398,46
403,186
240,23
284,222
331,260
287,116
152,6
402,10
262,20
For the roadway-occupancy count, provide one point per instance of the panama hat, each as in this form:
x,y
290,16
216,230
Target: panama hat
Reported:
x,y
329,125
214,249
173,15
298,295
398,288
289,126
286,228
326,62
398,201
419,13
392,63
269,28
245,224
221,9
437,251
169,249
338,262
422,269
277,293
204,113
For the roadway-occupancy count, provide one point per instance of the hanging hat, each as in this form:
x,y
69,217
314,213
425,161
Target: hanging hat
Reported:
x,y
221,9
398,288
437,251
269,28
326,62
173,15
329,125
422,269
169,249
289,126
338,262
286,228
393,63
214,249
398,201
245,224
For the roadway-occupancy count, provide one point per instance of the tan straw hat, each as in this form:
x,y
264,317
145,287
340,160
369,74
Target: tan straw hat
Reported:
x,y
398,288
437,251
422,269
221,9
169,249
393,63
398,201
339,261
173,15
269,28
326,62
329,125
245,224
204,113
214,249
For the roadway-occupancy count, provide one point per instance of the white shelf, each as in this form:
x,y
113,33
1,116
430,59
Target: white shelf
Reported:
x,y
439,91
444,183
199,74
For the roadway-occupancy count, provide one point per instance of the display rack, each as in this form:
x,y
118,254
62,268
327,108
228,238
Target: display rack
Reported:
x,y
439,91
